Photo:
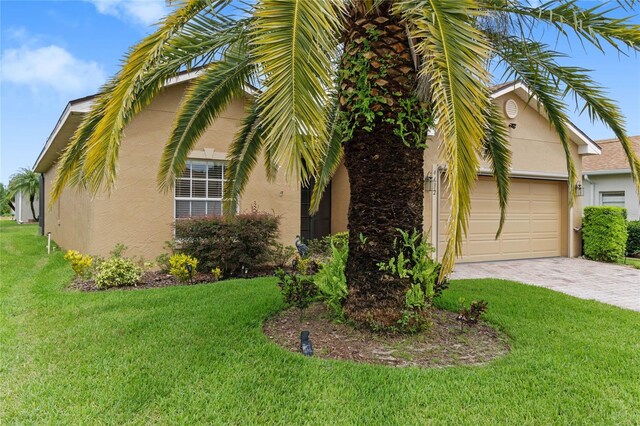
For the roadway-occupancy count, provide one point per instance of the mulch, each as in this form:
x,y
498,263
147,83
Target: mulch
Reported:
x,y
443,344
152,279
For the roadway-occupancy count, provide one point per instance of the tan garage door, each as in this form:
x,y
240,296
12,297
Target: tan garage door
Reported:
x,y
533,228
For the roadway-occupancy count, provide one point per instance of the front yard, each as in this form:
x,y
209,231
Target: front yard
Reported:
x,y
197,354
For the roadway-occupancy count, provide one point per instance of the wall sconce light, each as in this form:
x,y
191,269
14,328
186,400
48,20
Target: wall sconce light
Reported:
x,y
430,183
513,125
579,189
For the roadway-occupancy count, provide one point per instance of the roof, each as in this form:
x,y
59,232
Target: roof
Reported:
x,y
612,157
76,109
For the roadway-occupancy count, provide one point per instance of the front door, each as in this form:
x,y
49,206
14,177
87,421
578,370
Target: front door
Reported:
x,y
318,225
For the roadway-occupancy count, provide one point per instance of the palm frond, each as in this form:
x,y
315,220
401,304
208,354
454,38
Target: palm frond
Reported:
x,y
295,42
454,54
207,96
331,159
496,150
242,157
577,82
593,25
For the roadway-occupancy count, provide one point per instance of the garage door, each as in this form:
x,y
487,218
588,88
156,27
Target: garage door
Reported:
x,y
533,227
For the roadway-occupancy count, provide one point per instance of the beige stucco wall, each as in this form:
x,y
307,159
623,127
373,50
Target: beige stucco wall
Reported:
x,y
137,214
70,218
536,149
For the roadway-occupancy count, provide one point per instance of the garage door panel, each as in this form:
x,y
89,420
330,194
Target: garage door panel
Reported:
x,y
532,227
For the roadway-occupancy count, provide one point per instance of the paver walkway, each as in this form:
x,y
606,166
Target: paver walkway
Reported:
x,y
614,284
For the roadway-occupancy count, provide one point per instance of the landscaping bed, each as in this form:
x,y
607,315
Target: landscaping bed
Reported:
x,y
157,279
443,344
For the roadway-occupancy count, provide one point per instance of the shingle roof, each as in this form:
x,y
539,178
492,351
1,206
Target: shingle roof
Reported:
x,y
612,157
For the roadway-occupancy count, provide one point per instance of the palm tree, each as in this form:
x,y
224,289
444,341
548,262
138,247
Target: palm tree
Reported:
x,y
6,202
358,81
27,182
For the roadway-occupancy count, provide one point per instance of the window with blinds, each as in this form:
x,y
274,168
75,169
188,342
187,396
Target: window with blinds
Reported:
x,y
615,199
199,189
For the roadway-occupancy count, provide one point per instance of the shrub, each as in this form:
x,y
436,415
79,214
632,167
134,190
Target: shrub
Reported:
x,y
216,274
471,315
604,232
321,247
117,272
233,244
633,240
80,263
297,290
413,262
331,280
281,255
183,266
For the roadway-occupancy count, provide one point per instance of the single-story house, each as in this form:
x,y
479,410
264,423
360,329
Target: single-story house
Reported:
x,y
540,222
607,178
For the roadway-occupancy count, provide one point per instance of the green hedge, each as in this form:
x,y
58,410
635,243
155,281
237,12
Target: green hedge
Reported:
x,y
633,241
604,231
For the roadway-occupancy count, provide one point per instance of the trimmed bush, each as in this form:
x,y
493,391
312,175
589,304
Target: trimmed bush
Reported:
x,y
117,272
633,240
182,266
604,231
233,244
80,263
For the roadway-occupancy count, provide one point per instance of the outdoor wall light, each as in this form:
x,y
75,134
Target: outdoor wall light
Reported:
x,y
430,183
579,189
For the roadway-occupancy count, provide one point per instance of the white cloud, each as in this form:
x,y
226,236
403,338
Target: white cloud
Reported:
x,y
146,12
50,67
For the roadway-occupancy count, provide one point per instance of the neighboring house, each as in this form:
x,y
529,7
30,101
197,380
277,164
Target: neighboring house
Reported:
x,y
23,208
607,178
540,222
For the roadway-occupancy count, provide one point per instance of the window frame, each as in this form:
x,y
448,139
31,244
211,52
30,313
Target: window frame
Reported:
x,y
208,180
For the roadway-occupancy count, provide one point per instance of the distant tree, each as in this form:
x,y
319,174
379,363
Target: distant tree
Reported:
x,y
6,201
28,182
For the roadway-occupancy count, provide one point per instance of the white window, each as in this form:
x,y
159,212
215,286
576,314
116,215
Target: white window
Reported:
x,y
199,190
615,199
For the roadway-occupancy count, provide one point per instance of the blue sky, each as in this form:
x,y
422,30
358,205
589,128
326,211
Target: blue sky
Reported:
x,y
55,51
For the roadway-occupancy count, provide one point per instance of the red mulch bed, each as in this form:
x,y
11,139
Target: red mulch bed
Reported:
x,y
442,345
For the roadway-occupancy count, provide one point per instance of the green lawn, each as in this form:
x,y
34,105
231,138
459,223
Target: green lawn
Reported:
x,y
187,355
633,262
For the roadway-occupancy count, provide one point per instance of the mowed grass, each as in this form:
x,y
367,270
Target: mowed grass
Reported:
x,y
632,262
195,355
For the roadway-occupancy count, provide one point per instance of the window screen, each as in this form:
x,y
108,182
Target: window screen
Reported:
x,y
198,191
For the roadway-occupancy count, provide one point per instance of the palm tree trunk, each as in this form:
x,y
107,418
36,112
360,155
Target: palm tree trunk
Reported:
x,y
385,166
33,211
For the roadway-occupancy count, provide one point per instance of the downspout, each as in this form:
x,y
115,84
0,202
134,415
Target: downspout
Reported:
x,y
593,190
41,205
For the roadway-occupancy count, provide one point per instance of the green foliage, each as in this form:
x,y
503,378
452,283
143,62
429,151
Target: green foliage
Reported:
x,y
117,272
413,262
633,240
233,243
411,119
604,231
27,182
5,201
216,274
331,280
471,315
322,247
183,266
296,289
81,264
118,250
163,259
281,255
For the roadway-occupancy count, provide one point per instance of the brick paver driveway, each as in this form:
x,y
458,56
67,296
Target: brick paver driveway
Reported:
x,y
614,284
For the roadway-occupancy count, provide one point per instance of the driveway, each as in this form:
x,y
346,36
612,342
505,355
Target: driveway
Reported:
x,y
613,284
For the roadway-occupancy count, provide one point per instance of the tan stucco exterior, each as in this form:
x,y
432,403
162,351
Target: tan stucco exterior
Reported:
x,y
136,213
537,153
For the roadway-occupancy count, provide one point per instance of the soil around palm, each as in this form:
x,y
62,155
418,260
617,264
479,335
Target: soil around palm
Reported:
x,y
442,345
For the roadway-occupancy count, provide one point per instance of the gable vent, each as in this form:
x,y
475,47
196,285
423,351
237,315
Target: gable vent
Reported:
x,y
511,108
